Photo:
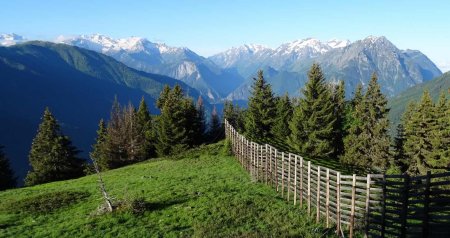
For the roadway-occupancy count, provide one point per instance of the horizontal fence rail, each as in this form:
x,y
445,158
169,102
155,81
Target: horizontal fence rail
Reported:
x,y
380,205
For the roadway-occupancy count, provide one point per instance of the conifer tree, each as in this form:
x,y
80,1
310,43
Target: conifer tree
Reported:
x,y
200,122
133,137
400,158
234,115
215,132
7,179
99,153
280,128
116,140
52,156
339,115
440,138
144,123
172,134
367,144
163,96
312,124
418,131
261,111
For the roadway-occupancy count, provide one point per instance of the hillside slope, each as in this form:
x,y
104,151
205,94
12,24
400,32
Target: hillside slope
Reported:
x,y
203,194
77,85
435,87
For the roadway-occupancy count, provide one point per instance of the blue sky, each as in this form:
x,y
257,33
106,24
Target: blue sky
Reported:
x,y
208,27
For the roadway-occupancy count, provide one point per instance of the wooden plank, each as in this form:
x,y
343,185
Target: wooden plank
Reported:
x,y
266,164
367,206
282,174
404,210
301,181
338,203
352,215
276,169
426,205
295,180
328,199
309,188
318,195
289,178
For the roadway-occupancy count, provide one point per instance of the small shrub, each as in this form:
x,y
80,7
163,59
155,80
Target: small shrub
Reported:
x,y
47,202
135,206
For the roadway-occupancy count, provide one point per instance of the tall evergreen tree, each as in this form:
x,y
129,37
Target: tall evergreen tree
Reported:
x,y
116,140
418,131
99,152
215,132
367,144
52,156
312,124
200,122
280,129
440,138
400,158
144,123
7,179
339,115
172,134
261,111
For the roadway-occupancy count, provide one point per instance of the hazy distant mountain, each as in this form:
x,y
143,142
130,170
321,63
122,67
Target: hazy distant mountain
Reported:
x,y
340,60
177,62
78,85
10,39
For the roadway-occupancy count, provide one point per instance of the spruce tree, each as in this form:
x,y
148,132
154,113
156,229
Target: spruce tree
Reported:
x,y
99,152
215,132
7,179
172,134
339,115
367,143
440,138
280,128
261,111
312,124
200,122
52,156
116,140
144,123
418,132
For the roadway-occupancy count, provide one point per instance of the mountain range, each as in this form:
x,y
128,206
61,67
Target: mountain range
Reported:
x,y
78,86
228,75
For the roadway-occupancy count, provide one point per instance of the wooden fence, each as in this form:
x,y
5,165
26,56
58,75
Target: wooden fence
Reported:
x,y
376,204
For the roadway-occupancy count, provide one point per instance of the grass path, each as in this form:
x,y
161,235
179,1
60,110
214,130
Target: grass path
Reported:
x,y
200,194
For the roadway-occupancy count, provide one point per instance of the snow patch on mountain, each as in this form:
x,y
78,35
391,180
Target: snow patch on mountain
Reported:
x,y
9,39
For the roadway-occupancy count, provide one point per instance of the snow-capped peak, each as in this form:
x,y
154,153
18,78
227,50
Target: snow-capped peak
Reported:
x,y
10,39
336,43
312,45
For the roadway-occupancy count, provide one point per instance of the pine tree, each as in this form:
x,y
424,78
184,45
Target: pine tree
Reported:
x,y
234,115
440,138
418,132
200,122
116,140
367,143
163,97
133,136
313,119
7,179
215,132
52,156
99,152
280,128
261,111
339,115
144,123
172,134
400,158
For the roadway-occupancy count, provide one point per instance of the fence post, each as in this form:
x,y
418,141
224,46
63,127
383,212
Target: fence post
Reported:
x,y
404,212
328,199
289,178
276,170
338,203
270,166
352,211
367,205
426,205
309,187
301,181
295,180
383,208
266,166
318,195
247,159
282,174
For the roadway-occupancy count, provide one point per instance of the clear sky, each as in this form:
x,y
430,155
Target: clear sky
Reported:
x,y
210,26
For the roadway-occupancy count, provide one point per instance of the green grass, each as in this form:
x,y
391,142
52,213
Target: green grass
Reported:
x,y
200,194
